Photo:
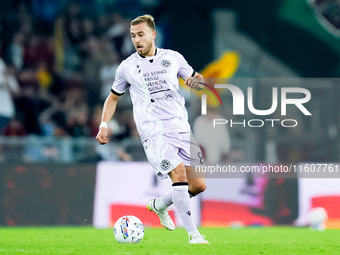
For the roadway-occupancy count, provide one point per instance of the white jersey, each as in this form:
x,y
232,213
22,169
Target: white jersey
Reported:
x,y
158,106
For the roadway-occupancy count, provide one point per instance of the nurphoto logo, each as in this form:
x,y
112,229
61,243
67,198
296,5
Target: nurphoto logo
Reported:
x,y
238,107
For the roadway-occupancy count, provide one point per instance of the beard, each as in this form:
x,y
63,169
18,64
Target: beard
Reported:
x,y
146,50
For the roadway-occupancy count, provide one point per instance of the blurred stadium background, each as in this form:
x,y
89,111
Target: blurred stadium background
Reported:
x,y
58,60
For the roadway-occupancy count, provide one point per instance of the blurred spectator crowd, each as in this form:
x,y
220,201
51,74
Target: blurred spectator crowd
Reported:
x,y
57,66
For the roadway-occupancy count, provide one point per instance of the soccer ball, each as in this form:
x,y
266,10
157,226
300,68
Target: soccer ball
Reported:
x,y
128,229
317,218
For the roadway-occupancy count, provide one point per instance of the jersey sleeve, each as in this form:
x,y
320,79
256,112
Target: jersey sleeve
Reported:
x,y
184,70
120,84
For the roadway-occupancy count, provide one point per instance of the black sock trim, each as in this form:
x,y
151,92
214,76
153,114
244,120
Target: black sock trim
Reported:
x,y
180,184
191,194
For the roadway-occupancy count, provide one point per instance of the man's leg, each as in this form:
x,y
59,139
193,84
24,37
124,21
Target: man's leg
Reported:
x,y
181,201
196,186
179,196
159,205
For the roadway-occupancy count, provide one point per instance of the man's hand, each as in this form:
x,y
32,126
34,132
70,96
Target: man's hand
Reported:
x,y
102,136
192,82
109,109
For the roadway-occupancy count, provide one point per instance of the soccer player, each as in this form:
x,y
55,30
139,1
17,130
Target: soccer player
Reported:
x,y
151,75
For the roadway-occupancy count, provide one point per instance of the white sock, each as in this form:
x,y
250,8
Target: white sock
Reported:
x,y
181,200
165,201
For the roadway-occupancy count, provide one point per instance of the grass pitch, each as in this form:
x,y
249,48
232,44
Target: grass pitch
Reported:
x,y
87,240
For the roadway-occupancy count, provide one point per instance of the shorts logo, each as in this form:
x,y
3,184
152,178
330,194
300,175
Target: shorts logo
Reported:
x,y
165,164
166,63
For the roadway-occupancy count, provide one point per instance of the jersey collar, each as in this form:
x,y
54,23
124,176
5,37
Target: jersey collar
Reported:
x,y
151,57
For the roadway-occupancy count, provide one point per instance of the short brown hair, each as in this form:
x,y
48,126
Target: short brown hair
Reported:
x,y
148,19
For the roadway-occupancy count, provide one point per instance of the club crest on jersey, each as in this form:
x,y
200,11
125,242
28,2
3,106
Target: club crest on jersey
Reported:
x,y
165,164
166,63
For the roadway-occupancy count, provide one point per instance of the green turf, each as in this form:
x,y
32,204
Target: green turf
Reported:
x,y
87,240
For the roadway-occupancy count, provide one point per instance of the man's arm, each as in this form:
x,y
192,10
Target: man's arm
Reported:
x,y
193,81
109,109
